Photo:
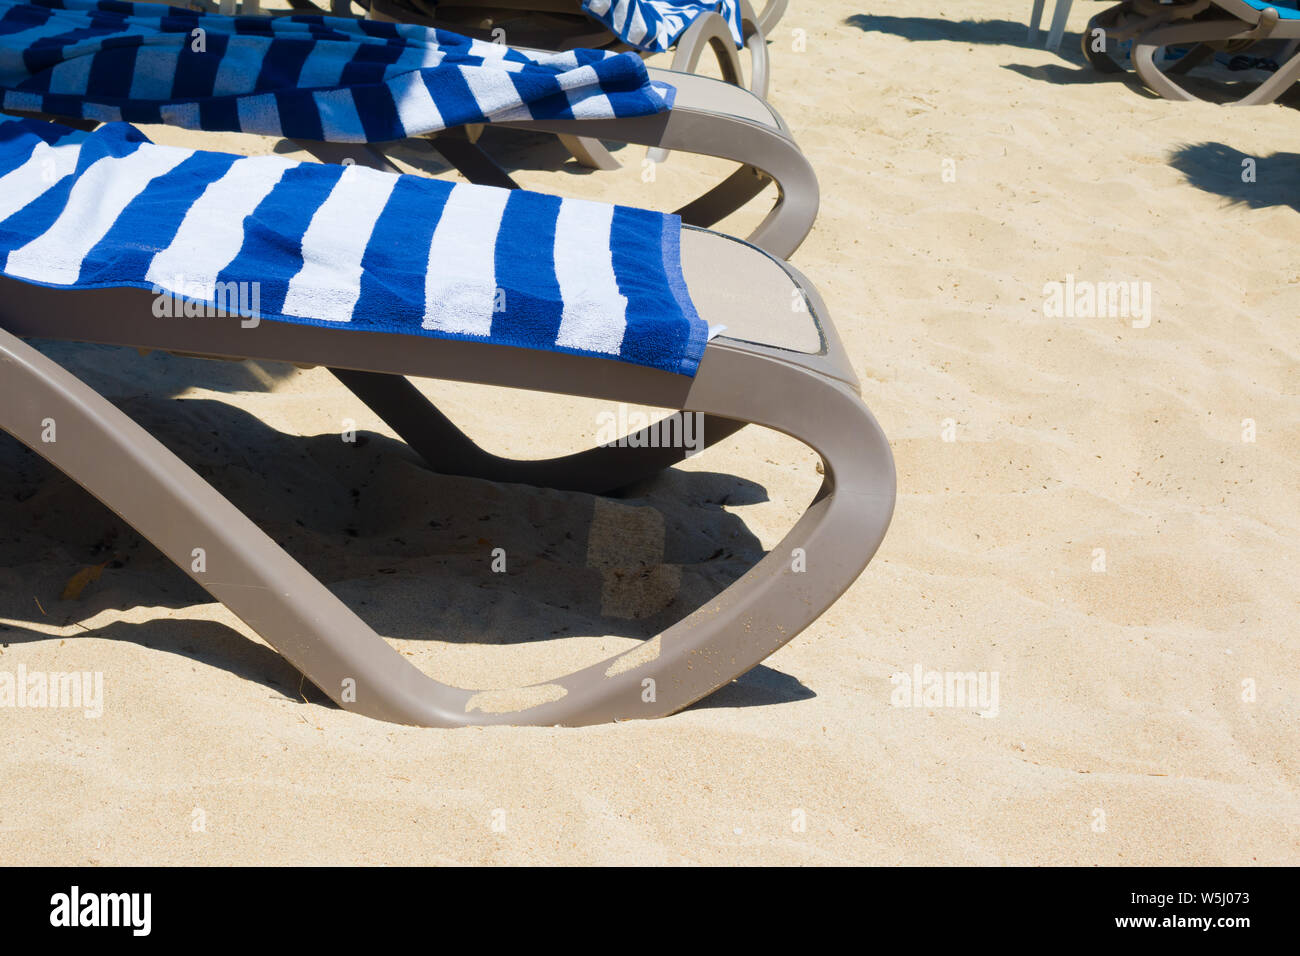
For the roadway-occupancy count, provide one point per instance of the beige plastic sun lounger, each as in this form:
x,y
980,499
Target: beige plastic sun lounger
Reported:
x,y
707,117
561,25
773,366
1207,27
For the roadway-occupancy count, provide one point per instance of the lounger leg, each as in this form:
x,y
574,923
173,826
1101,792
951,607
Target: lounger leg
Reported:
x,y
1151,75
770,14
725,198
1059,17
590,152
1191,59
755,39
1109,22
1275,85
470,160
449,451
1035,21
88,439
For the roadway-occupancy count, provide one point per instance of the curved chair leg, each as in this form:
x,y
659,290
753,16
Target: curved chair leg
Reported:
x,y
1191,59
1274,86
755,38
589,152
751,144
1208,33
709,31
449,451
1035,21
243,568
725,198
1151,75
1059,17
770,14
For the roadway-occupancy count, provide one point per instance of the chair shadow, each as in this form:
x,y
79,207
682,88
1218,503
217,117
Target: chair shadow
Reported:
x,y
409,550
929,29
1217,168
1009,33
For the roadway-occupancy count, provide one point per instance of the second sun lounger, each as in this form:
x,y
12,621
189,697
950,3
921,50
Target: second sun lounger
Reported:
x,y
1206,27
357,85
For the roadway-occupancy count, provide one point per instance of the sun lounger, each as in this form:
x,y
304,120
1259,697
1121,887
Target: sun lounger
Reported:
x,y
1059,18
378,277
1206,27
692,27
349,83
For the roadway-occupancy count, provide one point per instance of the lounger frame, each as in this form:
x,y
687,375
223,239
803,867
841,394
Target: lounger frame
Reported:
x,y
813,398
1208,26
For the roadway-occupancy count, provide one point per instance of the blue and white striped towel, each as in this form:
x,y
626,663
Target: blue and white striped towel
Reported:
x,y
303,77
344,246
656,25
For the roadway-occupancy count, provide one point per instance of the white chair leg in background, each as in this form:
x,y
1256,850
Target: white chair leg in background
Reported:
x,y
1035,20
1058,24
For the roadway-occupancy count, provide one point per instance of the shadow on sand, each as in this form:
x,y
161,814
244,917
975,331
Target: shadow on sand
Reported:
x,y
1219,169
407,549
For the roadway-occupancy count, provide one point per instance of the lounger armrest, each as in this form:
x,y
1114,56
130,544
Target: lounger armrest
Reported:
x,y
770,14
765,148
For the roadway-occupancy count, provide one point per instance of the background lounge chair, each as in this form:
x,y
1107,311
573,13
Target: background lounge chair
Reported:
x,y
80,60
1205,27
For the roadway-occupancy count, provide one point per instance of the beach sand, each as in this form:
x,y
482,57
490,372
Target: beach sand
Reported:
x,y
1147,713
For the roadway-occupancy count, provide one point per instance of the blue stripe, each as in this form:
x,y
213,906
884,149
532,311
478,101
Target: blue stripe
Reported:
x,y
272,250
394,265
282,64
149,223
525,264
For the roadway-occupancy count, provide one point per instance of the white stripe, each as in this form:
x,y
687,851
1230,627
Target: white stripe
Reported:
x,y
259,114
595,106
71,76
240,66
24,102
415,106
339,120
154,73
323,66
329,283
99,196
212,232
491,89
460,285
101,112
595,312
415,58
637,32
620,16
43,170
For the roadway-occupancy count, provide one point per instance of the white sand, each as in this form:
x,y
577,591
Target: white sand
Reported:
x,y
1121,734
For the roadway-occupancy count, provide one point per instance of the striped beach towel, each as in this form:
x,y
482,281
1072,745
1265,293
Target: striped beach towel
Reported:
x,y
656,25
341,246
303,77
